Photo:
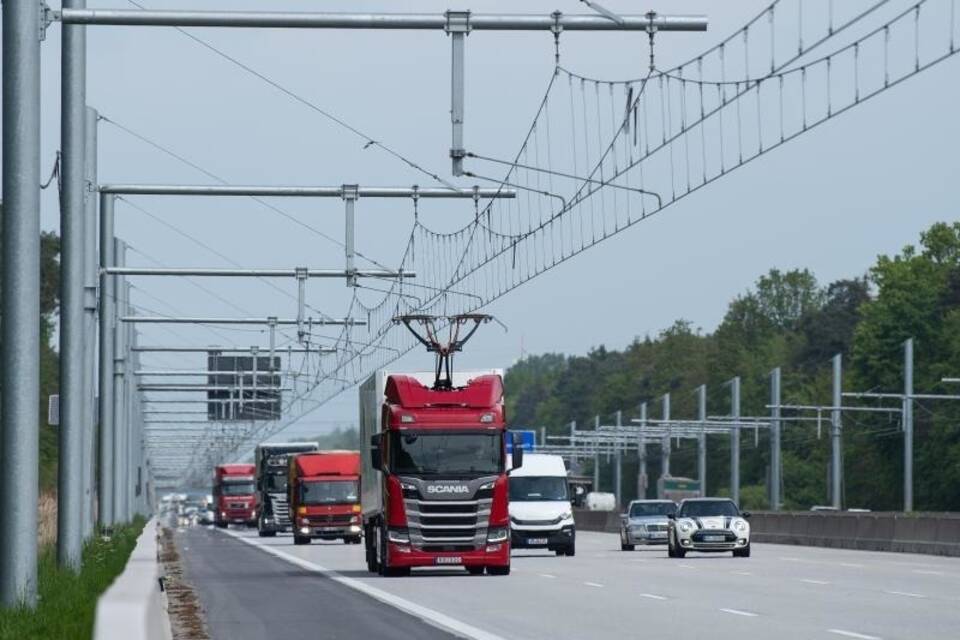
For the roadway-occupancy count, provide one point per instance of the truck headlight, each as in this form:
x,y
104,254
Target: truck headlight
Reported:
x,y
566,515
304,530
486,485
398,536
497,535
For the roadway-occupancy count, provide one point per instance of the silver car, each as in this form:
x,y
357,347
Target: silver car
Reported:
x,y
645,522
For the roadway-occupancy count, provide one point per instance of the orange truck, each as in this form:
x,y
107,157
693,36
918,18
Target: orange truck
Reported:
x,y
324,496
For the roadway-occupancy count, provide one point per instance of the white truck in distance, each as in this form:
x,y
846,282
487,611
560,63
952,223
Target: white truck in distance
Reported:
x,y
540,512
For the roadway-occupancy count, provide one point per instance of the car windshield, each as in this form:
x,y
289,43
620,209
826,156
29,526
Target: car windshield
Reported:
x,y
535,489
236,489
329,492
707,508
437,454
646,509
275,482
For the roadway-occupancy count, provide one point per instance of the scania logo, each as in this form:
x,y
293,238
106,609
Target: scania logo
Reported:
x,y
447,488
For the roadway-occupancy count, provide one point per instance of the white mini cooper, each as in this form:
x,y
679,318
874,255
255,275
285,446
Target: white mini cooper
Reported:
x,y
708,525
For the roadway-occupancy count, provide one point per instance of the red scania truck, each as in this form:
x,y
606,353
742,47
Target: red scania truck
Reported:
x,y
324,496
233,499
435,490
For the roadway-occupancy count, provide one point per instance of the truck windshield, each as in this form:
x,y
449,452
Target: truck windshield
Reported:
x,y
236,489
534,489
275,483
333,492
646,509
437,454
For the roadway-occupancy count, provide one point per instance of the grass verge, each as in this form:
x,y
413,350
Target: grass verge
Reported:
x,y
67,601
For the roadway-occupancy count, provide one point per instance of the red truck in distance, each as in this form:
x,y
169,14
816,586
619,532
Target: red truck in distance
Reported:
x,y
233,499
324,496
435,487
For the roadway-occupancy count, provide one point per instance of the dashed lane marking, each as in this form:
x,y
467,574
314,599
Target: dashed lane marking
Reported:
x,y
928,572
852,634
652,596
738,612
741,573
547,575
430,616
593,584
906,594
812,581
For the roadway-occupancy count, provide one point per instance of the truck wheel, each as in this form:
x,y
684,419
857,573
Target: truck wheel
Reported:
x,y
222,525
370,547
266,534
300,539
499,571
475,571
626,547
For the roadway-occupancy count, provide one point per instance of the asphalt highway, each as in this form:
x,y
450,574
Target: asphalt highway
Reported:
x,y
781,592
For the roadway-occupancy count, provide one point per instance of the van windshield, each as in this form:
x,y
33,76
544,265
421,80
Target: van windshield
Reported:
x,y
452,454
536,489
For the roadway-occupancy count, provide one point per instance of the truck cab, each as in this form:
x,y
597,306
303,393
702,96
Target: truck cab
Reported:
x,y
436,493
233,495
324,496
272,464
541,516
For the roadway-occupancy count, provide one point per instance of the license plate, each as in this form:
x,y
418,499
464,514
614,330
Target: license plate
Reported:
x,y
713,538
449,560
536,541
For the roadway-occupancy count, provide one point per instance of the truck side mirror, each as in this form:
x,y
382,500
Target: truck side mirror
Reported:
x,y
376,456
517,454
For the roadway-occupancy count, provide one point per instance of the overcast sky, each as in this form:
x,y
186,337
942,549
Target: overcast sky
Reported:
x,y
864,184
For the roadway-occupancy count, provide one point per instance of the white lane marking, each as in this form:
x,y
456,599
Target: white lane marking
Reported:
x,y
652,596
686,566
851,565
741,573
547,575
593,584
852,634
812,581
738,612
906,594
927,572
430,616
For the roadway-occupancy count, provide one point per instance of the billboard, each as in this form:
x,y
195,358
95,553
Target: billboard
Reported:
x,y
248,387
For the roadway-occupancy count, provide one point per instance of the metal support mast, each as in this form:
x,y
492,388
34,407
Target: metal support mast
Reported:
x,y
20,300
664,443
89,318
775,472
735,440
71,493
642,454
617,466
702,440
836,436
908,425
108,324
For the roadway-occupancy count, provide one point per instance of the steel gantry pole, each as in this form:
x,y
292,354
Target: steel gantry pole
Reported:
x,y
908,425
836,435
71,492
775,472
702,439
664,446
735,440
642,455
20,301
458,28
596,458
119,399
89,318
617,465
107,326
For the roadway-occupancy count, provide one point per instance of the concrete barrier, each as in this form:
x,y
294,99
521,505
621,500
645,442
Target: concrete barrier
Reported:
x,y
929,533
134,607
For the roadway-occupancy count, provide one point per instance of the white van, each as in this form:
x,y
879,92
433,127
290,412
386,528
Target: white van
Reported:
x,y
540,512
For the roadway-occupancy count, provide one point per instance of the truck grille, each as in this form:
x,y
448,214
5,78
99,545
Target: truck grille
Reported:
x,y
448,525
328,519
281,510
236,505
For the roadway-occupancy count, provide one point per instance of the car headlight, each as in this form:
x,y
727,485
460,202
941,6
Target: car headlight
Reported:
x,y
398,536
740,525
685,527
497,535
